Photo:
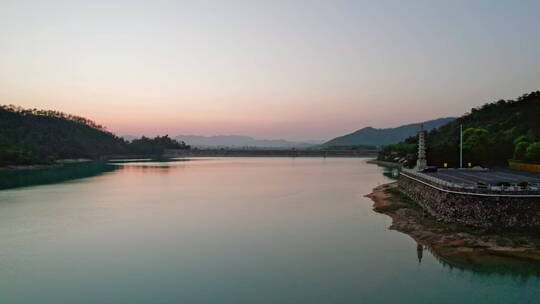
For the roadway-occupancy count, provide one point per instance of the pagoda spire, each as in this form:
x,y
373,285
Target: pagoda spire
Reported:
x,y
421,163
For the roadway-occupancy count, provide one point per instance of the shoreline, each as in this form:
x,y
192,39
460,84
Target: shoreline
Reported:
x,y
57,164
29,167
384,163
269,153
449,240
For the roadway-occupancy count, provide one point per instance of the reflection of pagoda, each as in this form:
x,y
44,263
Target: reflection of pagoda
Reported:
x,y
419,252
421,163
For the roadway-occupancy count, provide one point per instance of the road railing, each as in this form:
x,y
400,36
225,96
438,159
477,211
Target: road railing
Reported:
x,y
473,187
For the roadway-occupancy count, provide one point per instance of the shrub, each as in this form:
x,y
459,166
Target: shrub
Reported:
x,y
523,184
533,152
520,150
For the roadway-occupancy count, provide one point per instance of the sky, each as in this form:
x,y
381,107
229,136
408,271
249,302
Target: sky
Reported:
x,y
298,70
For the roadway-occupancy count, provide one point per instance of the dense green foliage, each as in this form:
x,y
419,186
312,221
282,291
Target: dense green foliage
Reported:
x,y
520,151
31,136
476,145
156,145
404,151
533,152
493,133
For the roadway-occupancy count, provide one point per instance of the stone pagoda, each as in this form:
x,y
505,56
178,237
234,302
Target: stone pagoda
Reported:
x,y
421,163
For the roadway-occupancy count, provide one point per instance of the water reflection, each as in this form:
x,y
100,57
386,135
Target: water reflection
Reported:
x,y
487,265
419,252
147,160
22,178
146,164
229,230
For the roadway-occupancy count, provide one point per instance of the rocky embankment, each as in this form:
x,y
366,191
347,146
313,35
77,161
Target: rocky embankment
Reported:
x,y
447,240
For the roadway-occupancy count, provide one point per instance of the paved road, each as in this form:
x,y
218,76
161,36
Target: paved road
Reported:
x,y
492,176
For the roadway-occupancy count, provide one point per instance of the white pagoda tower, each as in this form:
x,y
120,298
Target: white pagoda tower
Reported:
x,y
421,163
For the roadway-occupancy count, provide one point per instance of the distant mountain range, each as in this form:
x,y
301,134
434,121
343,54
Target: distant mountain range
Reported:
x,y
239,141
367,136
380,137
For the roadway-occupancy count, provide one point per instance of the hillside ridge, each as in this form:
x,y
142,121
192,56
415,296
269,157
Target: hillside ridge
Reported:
x,y
380,137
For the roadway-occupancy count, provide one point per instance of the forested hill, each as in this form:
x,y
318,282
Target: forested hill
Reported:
x,y
493,133
30,136
379,137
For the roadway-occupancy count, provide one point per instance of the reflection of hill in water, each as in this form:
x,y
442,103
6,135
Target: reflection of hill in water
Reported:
x,y
159,164
487,265
22,178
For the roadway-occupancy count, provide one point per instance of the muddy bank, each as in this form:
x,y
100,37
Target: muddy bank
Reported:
x,y
452,242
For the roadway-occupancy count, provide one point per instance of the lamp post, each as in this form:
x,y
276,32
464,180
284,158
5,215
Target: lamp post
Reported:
x,y
460,146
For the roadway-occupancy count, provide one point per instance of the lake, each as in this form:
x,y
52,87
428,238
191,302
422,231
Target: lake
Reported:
x,y
224,230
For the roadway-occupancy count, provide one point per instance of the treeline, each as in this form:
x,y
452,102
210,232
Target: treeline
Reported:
x,y
493,133
156,145
31,136
404,152
52,113
348,147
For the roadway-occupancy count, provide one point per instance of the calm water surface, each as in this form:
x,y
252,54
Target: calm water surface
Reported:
x,y
228,230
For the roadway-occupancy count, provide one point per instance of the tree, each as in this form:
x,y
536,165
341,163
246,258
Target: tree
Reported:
x,y
156,145
533,152
504,120
520,152
476,145
529,137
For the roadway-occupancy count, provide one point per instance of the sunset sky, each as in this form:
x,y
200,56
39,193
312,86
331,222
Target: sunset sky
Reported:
x,y
296,70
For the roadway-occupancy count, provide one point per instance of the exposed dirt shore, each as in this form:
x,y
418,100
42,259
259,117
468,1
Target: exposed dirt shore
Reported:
x,y
447,240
